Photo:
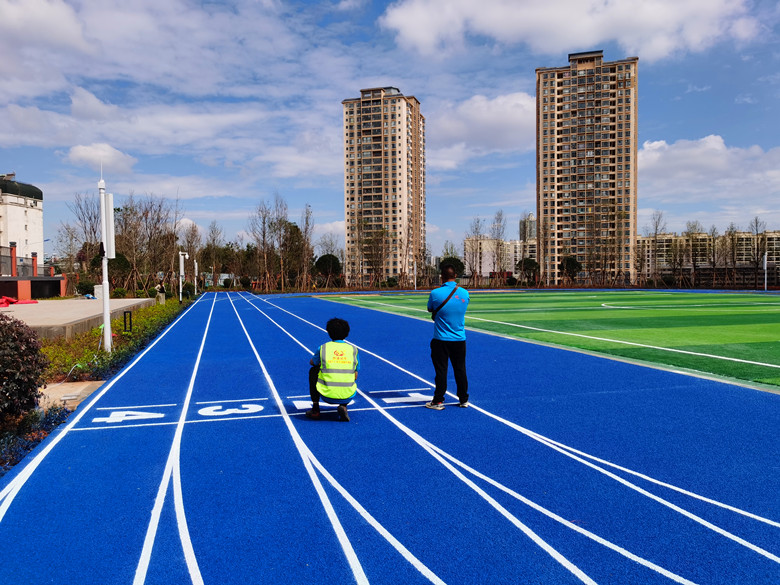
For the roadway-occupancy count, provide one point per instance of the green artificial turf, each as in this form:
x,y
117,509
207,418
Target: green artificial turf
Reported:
x,y
639,325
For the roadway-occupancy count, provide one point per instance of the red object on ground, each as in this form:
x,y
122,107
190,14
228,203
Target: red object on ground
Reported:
x,y
7,301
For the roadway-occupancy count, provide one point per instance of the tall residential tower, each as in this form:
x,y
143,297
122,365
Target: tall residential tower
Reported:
x,y
586,167
384,185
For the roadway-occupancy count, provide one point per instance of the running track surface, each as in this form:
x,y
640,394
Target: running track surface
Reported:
x,y
195,464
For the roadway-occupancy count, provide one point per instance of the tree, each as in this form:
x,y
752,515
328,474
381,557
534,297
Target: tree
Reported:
x,y
529,268
497,234
570,267
456,262
656,227
714,251
471,253
376,251
692,234
328,266
757,228
449,250
278,230
214,242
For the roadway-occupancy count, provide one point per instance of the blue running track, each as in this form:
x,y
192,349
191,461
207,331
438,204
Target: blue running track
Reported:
x,y
195,464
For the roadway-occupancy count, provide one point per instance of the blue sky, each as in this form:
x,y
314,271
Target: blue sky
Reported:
x,y
224,104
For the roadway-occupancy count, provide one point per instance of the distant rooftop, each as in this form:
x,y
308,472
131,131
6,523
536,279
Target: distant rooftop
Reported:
x,y
8,184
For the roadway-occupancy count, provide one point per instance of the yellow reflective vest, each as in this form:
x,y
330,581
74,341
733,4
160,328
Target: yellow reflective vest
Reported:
x,y
338,362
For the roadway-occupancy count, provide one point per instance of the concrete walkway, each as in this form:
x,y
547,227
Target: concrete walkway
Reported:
x,y
68,394
68,317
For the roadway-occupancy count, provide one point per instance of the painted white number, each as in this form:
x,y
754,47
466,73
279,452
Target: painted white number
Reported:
x,y
218,410
119,416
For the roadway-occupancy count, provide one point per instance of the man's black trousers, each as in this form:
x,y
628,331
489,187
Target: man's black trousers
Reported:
x,y
455,353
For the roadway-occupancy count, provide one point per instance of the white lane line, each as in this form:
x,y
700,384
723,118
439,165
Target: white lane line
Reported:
x,y
8,494
591,337
133,407
227,401
172,472
310,458
563,561
565,450
346,545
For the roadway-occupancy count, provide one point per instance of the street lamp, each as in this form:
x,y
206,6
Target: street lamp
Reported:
x,y
182,257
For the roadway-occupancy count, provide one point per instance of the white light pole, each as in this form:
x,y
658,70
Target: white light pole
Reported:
x,y
182,256
195,278
766,257
107,251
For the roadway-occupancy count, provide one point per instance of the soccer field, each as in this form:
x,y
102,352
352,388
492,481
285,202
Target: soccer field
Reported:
x,y
730,335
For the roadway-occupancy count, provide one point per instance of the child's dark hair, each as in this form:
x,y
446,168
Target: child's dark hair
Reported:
x,y
337,328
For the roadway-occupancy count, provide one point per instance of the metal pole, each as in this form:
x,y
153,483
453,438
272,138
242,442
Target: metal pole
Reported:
x,y
104,233
195,278
766,254
182,256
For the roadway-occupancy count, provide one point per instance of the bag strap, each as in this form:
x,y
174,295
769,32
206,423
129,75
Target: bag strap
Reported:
x,y
436,310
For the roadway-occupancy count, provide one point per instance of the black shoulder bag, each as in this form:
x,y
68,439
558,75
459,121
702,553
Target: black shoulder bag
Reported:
x,y
437,309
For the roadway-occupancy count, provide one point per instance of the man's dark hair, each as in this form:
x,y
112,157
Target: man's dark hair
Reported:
x,y
448,271
337,329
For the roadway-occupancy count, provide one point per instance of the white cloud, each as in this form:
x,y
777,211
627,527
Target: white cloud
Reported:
x,y
85,106
700,179
651,29
479,126
102,156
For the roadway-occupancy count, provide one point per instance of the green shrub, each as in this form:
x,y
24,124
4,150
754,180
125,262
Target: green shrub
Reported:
x,y
188,290
118,293
22,365
83,358
141,294
85,287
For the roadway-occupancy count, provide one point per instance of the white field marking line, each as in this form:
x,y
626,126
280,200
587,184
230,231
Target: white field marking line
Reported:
x,y
658,482
306,457
745,304
134,407
717,357
636,488
172,472
227,401
569,452
365,514
10,491
541,543
631,343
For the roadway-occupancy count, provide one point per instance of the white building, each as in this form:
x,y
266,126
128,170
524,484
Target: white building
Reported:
x,y
21,217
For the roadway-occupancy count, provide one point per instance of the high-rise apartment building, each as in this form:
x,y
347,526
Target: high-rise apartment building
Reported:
x,y
586,167
384,185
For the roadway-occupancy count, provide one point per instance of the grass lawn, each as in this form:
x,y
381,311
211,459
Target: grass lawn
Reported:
x,y
726,334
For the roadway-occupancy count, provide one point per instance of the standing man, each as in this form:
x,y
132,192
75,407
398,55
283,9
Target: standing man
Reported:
x,y
447,305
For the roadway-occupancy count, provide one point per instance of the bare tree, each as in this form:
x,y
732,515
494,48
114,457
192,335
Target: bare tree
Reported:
x,y
497,234
656,227
260,228
307,251
278,230
714,251
214,241
757,228
692,235
449,250
471,254
730,253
